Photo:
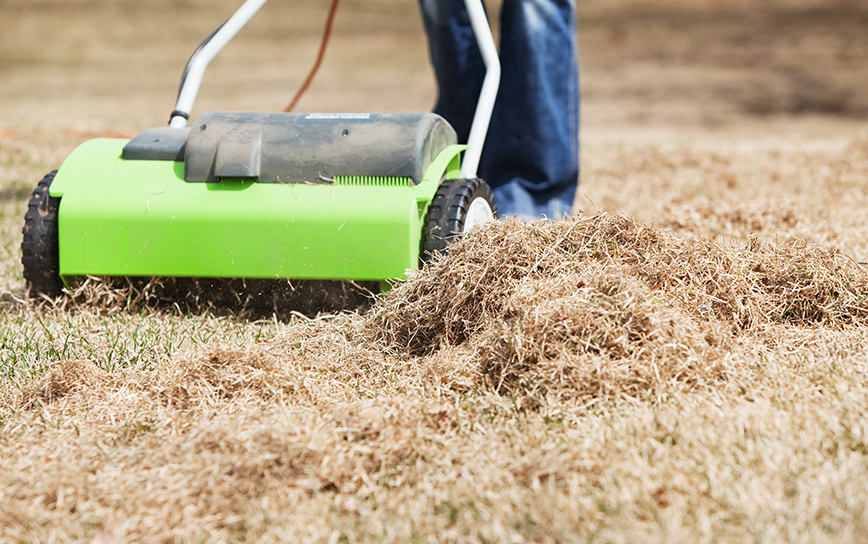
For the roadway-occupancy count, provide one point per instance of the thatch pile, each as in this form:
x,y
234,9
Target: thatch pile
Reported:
x,y
607,305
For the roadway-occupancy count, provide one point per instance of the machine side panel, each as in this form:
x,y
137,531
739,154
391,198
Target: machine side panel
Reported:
x,y
140,218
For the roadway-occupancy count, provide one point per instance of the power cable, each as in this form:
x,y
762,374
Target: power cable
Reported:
x,y
319,56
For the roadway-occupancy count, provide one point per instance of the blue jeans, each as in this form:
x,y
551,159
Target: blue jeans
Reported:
x,y
531,154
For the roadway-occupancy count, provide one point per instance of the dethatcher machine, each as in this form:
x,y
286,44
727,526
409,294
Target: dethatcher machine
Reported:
x,y
280,197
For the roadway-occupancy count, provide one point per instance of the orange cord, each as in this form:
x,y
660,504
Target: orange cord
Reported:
x,y
319,56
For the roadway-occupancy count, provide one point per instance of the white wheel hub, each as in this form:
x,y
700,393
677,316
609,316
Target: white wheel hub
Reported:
x,y
478,213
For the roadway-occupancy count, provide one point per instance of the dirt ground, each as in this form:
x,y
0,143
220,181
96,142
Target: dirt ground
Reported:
x,y
685,362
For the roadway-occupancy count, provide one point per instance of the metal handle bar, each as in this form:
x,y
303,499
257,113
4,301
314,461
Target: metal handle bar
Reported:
x,y
490,85
195,70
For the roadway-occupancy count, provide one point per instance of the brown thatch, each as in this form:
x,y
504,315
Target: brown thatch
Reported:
x,y
583,306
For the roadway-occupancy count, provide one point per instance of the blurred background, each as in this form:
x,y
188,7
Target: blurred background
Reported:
x,y
650,68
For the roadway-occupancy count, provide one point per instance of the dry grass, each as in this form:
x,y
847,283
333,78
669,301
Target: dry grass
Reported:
x,y
686,365
781,188
594,379
604,307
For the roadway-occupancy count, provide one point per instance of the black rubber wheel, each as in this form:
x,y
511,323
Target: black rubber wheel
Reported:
x,y
39,248
448,211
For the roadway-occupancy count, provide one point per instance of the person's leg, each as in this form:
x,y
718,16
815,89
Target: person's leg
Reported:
x,y
531,157
457,62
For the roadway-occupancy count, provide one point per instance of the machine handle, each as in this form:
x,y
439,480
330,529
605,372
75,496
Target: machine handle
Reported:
x,y
490,86
195,70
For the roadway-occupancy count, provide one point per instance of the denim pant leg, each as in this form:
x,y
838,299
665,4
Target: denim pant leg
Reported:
x,y
531,155
457,62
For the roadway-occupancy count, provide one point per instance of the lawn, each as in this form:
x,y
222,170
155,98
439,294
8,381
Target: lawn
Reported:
x,y
683,361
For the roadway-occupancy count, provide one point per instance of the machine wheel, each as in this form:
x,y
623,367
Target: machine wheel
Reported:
x,y
458,206
39,248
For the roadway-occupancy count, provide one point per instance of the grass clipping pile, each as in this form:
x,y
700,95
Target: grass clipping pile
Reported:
x,y
606,306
